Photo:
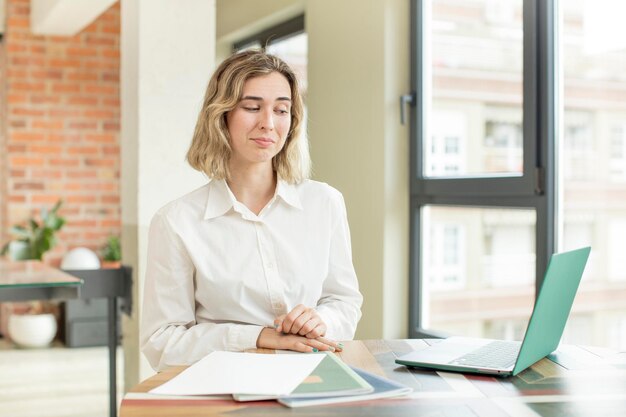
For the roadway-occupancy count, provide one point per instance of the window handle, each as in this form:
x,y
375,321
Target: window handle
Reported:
x,y
406,100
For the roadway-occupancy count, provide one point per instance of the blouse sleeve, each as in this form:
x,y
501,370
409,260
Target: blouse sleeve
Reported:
x,y
169,332
340,303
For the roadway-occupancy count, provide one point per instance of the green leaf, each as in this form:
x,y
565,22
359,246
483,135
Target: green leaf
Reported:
x,y
20,232
40,237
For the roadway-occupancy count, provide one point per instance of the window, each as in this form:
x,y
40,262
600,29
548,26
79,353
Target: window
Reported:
x,y
518,151
288,41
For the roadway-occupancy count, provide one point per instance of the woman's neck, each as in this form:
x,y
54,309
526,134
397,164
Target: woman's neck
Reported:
x,y
253,186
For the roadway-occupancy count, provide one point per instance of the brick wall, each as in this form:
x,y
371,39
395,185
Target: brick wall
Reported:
x,y
61,127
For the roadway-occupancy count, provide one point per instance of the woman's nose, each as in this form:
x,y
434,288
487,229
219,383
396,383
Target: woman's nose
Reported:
x,y
266,121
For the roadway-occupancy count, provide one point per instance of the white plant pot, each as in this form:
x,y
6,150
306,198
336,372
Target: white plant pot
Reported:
x,y
32,330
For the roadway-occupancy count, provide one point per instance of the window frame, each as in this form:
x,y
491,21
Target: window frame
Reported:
x,y
536,188
284,30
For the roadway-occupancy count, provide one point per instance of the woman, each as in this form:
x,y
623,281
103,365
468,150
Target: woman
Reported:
x,y
260,256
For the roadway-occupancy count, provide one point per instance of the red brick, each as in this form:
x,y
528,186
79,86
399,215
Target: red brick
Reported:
x,y
57,138
17,22
111,126
110,223
82,125
13,73
26,136
46,173
108,64
17,199
29,186
111,76
64,112
14,148
101,138
17,173
84,223
18,123
111,28
37,49
21,161
92,39
111,102
100,89
82,100
72,173
99,114
23,111
111,150
101,186
26,86
82,76
48,124
64,63
47,74
64,162
110,53
81,199
44,199
15,98
16,48
111,199
83,150
101,162
80,52
65,88
46,149
45,99
29,60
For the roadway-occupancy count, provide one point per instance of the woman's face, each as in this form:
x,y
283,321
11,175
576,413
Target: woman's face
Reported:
x,y
259,124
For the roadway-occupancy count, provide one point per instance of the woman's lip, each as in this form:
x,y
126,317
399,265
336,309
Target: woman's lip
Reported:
x,y
263,142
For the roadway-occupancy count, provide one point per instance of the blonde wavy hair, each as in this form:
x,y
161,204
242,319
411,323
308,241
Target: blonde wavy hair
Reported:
x,y
210,149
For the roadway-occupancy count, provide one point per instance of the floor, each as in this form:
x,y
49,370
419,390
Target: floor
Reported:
x,y
56,381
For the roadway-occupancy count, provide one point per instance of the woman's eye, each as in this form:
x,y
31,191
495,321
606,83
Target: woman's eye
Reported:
x,y
250,108
282,111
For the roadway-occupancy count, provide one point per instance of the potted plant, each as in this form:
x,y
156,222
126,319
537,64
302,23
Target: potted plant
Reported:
x,y
35,239
112,253
33,324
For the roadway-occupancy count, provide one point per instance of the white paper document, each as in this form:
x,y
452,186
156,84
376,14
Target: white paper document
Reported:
x,y
242,373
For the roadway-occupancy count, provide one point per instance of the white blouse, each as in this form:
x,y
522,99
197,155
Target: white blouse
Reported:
x,y
217,273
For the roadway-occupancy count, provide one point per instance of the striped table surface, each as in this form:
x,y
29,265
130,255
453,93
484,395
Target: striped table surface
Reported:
x,y
573,381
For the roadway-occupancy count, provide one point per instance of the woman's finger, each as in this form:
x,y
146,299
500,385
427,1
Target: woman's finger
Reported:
x,y
309,326
317,332
291,317
278,323
301,321
338,346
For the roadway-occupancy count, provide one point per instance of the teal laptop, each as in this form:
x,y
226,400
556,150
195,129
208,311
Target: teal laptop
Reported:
x,y
505,358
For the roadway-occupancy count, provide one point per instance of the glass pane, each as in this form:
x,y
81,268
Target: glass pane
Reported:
x,y
479,270
593,165
293,50
474,123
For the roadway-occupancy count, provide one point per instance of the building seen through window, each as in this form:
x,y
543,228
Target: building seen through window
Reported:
x,y
478,269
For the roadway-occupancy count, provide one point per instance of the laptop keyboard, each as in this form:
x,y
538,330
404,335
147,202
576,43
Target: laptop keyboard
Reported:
x,y
497,354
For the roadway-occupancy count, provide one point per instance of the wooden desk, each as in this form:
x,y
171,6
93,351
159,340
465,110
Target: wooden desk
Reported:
x,y
583,382
33,280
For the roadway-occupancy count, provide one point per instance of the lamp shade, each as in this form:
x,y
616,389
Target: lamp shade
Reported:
x,y
80,258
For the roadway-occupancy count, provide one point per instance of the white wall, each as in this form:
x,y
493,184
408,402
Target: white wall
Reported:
x,y
168,55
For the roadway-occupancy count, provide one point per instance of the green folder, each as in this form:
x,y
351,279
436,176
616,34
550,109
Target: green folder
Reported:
x,y
331,378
